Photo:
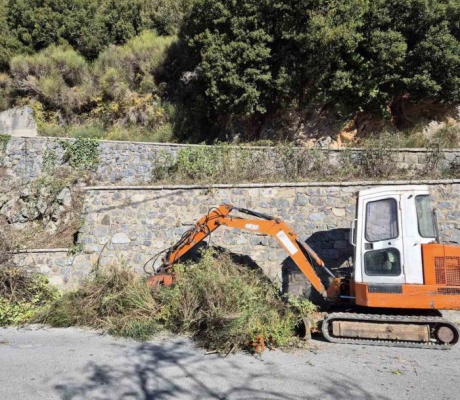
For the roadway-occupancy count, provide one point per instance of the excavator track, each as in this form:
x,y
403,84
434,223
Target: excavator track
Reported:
x,y
437,329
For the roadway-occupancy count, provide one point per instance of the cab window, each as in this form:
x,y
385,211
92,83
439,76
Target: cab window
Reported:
x,y
383,262
425,221
381,220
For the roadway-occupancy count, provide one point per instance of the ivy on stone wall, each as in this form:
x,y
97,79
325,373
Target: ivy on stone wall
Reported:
x,y
83,153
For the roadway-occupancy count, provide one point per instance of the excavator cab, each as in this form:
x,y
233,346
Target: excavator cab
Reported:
x,y
392,225
398,260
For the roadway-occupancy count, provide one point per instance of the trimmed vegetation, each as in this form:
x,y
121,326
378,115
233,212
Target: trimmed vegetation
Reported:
x,y
222,305
23,291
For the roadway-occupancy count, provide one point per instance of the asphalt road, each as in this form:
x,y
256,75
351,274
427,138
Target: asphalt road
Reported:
x,y
74,364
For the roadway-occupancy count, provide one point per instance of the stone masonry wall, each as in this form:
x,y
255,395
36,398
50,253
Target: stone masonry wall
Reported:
x,y
133,224
133,163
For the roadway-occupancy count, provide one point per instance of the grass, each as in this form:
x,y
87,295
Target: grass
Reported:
x,y
222,305
23,290
116,300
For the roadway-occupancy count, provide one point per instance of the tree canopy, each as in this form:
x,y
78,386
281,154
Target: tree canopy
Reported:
x,y
255,54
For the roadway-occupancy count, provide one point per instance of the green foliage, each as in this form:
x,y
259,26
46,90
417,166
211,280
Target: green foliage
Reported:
x,y
23,293
57,77
5,91
87,25
82,153
132,66
4,140
234,53
235,64
218,163
165,16
9,44
225,306
222,163
120,90
198,162
115,299
50,159
252,57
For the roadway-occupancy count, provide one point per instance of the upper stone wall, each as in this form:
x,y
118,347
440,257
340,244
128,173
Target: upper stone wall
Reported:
x,y
133,163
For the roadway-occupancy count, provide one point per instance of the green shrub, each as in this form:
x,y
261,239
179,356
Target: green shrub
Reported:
x,y
57,77
251,57
165,16
132,66
226,306
23,293
87,25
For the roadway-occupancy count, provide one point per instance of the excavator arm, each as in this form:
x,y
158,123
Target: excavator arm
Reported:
x,y
264,224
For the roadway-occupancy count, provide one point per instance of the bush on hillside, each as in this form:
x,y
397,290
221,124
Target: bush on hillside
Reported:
x,y
121,88
58,77
134,67
259,56
87,25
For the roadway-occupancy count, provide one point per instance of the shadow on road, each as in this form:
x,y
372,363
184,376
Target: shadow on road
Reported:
x,y
174,369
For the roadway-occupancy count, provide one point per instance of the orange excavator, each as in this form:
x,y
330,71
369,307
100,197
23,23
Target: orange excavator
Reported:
x,y
401,276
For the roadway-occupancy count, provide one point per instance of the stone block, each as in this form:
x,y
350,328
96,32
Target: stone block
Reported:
x,y
315,217
101,231
338,212
330,253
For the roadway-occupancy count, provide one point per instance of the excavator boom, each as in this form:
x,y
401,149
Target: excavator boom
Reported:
x,y
264,224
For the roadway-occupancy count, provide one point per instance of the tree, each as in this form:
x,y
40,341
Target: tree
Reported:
x,y
257,56
88,26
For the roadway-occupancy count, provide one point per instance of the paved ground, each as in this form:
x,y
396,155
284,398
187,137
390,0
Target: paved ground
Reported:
x,y
73,364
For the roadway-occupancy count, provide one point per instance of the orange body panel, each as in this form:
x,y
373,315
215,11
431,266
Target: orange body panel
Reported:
x,y
441,289
411,296
441,264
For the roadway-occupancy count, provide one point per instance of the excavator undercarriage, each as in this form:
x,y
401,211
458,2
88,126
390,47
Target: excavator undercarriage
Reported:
x,y
418,331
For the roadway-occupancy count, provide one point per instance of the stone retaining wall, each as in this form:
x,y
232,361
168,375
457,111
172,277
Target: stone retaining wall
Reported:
x,y
133,163
57,264
133,224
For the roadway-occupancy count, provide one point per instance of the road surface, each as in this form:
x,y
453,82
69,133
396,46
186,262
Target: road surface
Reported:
x,y
77,364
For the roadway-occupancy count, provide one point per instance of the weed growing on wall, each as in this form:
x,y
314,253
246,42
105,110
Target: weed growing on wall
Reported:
x,y
50,160
4,140
379,157
453,169
222,163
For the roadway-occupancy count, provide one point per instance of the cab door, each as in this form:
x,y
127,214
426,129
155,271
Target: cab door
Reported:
x,y
418,229
382,249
